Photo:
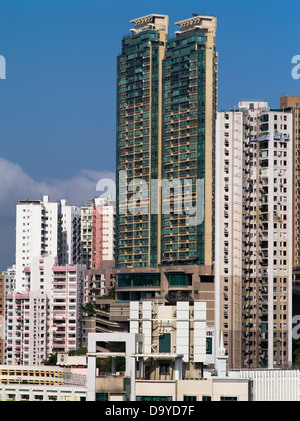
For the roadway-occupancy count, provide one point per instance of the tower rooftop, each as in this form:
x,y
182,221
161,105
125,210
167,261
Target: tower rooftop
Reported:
x,y
197,21
152,21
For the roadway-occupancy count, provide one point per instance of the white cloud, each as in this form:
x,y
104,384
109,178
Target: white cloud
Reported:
x,y
16,184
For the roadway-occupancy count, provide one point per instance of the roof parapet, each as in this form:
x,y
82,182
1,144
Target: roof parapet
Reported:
x,y
152,21
197,21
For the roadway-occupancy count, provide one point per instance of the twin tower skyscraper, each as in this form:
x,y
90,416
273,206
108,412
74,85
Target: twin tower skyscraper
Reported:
x,y
166,112
166,116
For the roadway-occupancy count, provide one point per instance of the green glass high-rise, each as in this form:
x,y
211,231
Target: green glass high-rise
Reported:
x,y
166,110
139,104
189,112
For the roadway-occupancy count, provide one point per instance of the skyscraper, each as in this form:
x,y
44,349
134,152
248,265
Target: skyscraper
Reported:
x,y
189,113
166,109
254,247
139,134
292,104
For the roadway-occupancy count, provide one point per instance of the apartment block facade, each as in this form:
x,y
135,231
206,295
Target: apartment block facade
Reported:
x,y
70,234
2,316
10,279
45,228
254,231
292,104
102,231
177,342
37,233
86,236
67,297
26,333
169,356
47,319
229,207
47,238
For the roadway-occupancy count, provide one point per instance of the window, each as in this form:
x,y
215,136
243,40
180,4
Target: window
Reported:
x,y
165,342
164,368
228,398
153,398
190,398
101,397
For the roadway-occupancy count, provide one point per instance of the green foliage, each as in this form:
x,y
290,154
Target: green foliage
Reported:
x,y
52,360
79,351
111,294
89,309
296,353
104,364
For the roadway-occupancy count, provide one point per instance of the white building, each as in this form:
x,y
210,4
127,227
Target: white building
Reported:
x,y
70,232
46,228
10,279
66,299
253,264
46,319
37,233
26,328
47,238
86,234
229,209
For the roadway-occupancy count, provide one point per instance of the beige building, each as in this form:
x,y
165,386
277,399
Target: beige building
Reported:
x,y
292,103
166,354
254,230
229,205
210,389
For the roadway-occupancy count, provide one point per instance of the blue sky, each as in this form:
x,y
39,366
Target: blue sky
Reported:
x,y
57,105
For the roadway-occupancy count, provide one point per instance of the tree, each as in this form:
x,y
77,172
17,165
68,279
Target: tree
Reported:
x,y
52,360
89,309
111,294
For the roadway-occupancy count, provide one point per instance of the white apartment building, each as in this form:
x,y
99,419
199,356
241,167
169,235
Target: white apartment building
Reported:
x,y
70,233
66,299
254,235
46,228
86,233
229,209
38,276
47,317
26,328
37,233
28,316
10,279
47,238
